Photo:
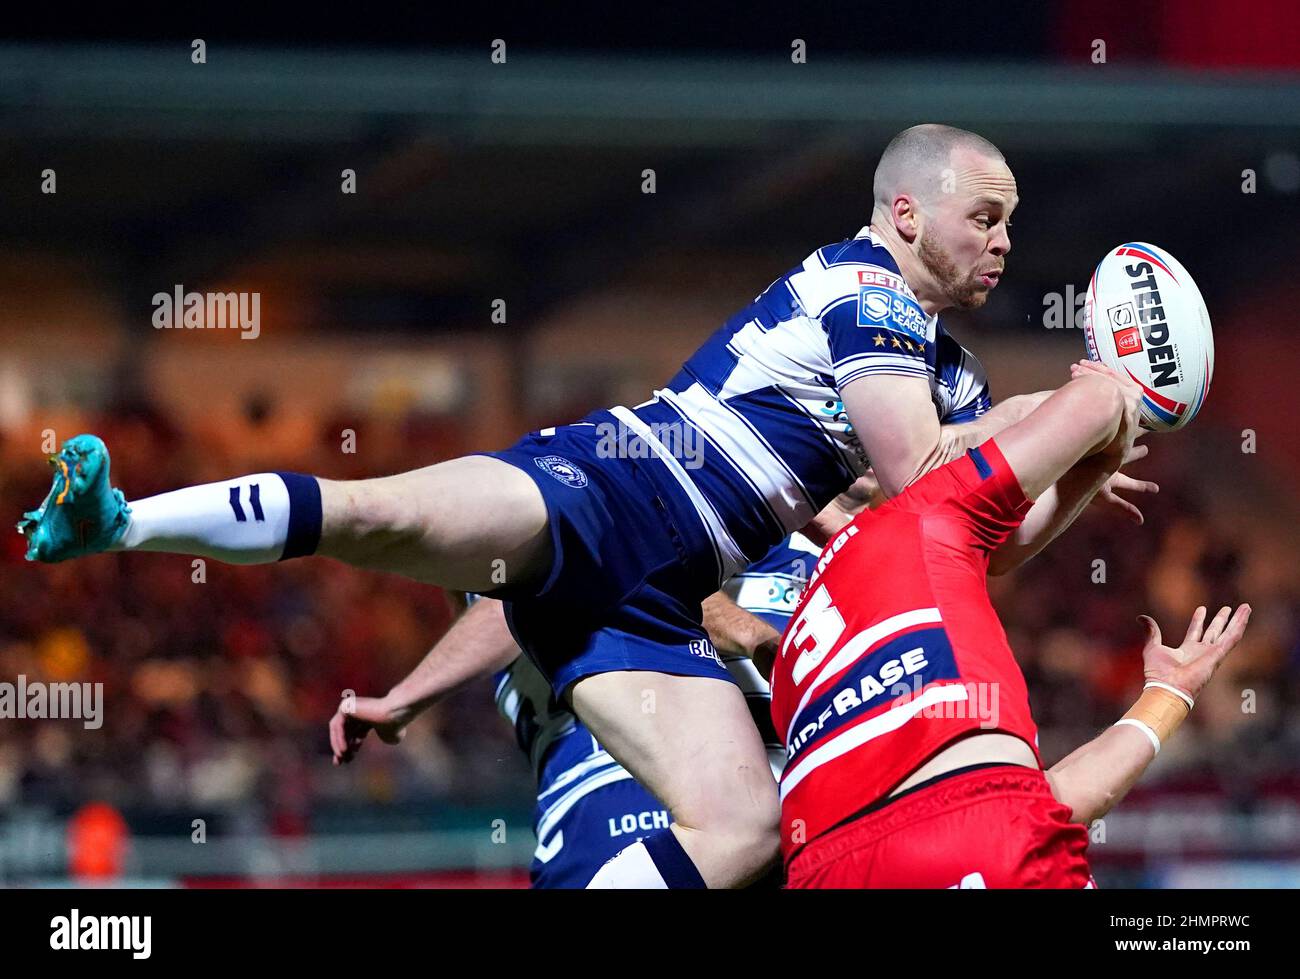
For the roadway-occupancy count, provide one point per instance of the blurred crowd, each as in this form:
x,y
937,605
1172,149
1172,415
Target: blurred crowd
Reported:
x,y
219,681
1214,535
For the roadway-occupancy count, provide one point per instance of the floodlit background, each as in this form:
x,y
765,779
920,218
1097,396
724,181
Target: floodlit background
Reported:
x,y
520,189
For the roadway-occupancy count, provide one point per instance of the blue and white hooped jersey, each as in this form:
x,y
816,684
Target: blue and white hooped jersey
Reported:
x,y
753,428
568,761
771,587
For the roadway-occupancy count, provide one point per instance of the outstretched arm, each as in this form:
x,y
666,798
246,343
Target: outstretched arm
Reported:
x,y
910,440
477,644
894,417
1093,478
1094,777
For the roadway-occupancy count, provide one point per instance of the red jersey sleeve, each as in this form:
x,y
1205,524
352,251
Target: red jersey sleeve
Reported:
x,y
978,491
993,505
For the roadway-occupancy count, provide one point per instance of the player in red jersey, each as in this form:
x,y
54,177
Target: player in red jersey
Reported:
x,y
912,757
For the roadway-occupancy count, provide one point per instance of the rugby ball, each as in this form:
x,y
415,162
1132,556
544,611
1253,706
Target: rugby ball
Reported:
x,y
1144,317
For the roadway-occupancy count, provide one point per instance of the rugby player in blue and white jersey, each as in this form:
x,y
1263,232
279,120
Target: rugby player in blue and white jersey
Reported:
x,y
588,805
610,541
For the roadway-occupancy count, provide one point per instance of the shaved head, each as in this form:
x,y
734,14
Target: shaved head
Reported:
x,y
943,203
915,161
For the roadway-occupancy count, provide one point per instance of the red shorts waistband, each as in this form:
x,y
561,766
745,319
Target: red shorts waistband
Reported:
x,y
907,810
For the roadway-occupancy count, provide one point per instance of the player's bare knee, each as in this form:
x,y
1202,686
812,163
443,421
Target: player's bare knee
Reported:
x,y
756,845
763,829
747,810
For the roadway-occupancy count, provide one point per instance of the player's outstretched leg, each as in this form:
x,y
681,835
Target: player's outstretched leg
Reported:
x,y
466,524
470,524
691,742
82,514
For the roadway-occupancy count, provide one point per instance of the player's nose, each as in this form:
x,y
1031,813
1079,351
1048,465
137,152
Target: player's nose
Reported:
x,y
1000,245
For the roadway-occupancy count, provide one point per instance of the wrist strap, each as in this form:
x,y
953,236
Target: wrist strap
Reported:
x,y
1144,728
1160,708
1174,690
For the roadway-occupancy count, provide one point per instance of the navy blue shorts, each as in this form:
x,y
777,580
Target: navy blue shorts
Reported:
x,y
632,562
578,841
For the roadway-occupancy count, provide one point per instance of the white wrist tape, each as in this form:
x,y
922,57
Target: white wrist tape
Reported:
x,y
1174,690
1144,728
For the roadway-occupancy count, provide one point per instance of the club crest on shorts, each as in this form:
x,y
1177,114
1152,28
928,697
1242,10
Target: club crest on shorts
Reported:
x,y
563,470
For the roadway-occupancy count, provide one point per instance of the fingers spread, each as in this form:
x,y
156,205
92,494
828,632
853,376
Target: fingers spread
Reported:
x,y
1216,627
1236,626
1194,629
1129,509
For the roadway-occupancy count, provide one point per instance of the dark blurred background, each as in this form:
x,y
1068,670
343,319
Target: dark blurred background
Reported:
x,y
487,190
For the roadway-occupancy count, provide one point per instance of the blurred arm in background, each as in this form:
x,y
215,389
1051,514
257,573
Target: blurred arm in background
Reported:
x,y
478,644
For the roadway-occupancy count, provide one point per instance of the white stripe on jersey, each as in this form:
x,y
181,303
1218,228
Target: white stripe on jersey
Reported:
x,y
854,648
868,730
748,452
733,559
806,337
747,677
840,436
794,350
794,358
580,791
599,758
969,382
868,364
520,686
777,593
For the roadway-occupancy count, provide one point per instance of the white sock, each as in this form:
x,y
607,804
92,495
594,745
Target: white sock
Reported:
x,y
245,520
630,868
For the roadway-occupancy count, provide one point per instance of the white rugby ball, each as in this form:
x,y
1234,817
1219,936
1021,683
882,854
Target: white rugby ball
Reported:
x,y
1144,317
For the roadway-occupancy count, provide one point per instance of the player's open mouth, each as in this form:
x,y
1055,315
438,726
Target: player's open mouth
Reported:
x,y
990,278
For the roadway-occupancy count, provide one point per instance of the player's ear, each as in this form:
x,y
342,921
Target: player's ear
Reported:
x,y
906,216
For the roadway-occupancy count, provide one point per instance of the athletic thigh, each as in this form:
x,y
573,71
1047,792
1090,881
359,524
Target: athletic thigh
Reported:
x,y
471,524
689,740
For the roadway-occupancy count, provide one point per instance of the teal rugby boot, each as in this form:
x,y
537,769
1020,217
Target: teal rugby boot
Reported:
x,y
82,514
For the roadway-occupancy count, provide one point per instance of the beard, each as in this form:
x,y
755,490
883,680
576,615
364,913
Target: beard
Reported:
x,y
964,292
